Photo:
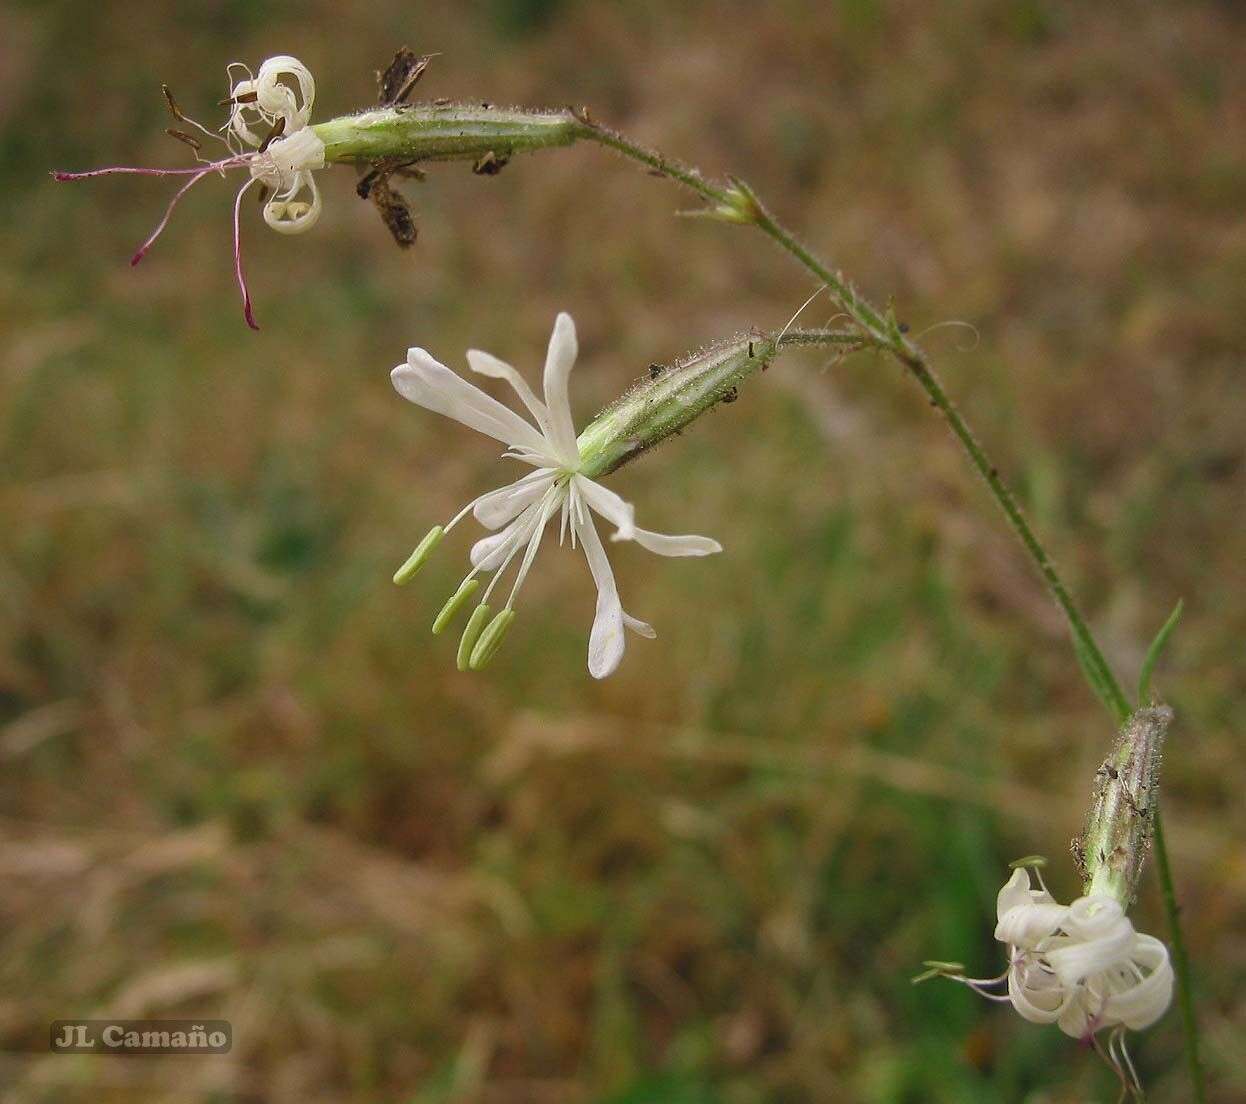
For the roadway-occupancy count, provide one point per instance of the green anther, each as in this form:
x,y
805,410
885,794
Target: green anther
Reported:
x,y
466,589
417,558
471,634
491,639
1030,861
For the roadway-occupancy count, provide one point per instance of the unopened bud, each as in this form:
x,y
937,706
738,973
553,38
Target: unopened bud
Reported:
x,y
419,557
739,205
1111,850
666,399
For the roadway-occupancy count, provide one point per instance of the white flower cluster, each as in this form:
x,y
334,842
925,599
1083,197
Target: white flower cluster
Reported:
x,y
278,102
1080,966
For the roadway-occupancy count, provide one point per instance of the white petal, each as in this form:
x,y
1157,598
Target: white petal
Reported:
x,y
1100,938
488,365
497,508
559,360
640,628
1016,891
1036,996
489,553
1026,925
605,642
432,385
664,544
617,511
1143,1003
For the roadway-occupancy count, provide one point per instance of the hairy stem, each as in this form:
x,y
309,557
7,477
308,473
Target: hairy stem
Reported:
x,y
738,203
462,132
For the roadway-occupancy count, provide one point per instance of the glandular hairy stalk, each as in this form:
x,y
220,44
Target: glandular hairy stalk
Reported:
x,y
736,202
444,132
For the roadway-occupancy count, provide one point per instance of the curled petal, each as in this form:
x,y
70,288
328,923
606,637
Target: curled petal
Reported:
x,y
1016,892
1027,925
1100,938
287,213
1141,1004
1035,994
276,97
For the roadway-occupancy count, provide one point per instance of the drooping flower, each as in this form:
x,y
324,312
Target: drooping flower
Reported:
x,y
268,135
1082,967
519,512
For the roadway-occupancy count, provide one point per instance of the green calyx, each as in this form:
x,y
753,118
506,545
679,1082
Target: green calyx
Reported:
x,y
443,132
667,399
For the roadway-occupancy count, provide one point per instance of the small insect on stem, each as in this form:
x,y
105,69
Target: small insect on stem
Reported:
x,y
655,370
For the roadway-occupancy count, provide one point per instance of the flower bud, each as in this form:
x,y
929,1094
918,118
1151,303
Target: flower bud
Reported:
x,y
443,132
666,399
1112,848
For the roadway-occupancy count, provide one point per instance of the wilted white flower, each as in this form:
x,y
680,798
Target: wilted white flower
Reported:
x,y
1081,966
519,512
281,160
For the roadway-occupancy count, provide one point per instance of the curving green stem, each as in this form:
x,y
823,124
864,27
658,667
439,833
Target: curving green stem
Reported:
x,y
738,203
386,136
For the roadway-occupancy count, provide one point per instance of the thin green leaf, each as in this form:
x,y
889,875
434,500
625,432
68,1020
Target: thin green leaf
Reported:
x,y
1094,676
1155,651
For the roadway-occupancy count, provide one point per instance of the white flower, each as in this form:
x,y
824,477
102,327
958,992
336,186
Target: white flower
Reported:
x,y
1081,966
282,160
284,163
519,512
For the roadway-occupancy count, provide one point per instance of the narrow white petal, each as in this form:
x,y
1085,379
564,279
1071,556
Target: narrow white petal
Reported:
x,y
559,360
486,364
640,628
497,508
617,511
489,553
664,544
605,642
432,385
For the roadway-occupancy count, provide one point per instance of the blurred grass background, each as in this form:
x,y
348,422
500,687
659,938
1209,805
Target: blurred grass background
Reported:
x,y
239,778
